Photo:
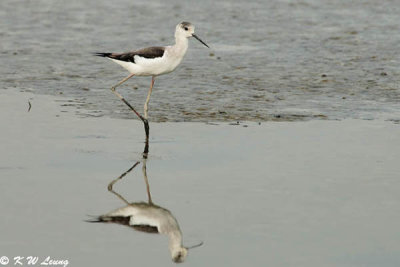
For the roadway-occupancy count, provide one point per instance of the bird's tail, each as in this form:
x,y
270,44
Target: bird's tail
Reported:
x,y
102,54
96,219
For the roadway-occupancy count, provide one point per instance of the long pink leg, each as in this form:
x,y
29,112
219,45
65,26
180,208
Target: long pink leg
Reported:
x,y
148,97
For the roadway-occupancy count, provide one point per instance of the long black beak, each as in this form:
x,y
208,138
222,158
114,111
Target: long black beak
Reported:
x,y
198,245
195,36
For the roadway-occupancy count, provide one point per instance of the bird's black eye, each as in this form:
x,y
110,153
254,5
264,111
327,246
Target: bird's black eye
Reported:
x,y
186,28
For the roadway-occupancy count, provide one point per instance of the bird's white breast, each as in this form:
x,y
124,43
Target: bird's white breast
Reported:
x,y
155,66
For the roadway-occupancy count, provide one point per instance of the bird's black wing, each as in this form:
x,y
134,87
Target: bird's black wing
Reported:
x,y
125,220
145,228
149,52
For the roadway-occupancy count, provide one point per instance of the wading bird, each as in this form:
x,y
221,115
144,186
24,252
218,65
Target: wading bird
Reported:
x,y
153,61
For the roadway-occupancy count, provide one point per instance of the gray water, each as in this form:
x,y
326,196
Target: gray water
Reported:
x,y
269,60
304,194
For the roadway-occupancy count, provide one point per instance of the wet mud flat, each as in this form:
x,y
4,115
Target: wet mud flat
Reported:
x,y
316,193
269,60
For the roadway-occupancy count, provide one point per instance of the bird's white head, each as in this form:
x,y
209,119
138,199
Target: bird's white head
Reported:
x,y
186,30
179,254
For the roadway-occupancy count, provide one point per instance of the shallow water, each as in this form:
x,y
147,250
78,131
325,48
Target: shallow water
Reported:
x,y
270,60
317,193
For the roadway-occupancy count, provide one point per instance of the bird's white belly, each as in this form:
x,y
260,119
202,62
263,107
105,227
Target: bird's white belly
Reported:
x,y
150,66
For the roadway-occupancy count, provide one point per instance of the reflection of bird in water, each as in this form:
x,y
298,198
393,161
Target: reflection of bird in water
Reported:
x,y
147,217
150,218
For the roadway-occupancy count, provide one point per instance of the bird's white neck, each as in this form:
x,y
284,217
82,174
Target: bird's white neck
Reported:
x,y
181,45
175,241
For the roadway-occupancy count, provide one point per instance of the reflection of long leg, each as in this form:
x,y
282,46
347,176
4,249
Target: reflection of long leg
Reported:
x,y
144,120
144,170
110,185
146,149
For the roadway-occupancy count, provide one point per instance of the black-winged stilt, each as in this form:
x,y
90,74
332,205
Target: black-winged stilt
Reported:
x,y
153,61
